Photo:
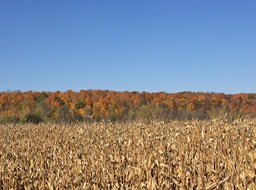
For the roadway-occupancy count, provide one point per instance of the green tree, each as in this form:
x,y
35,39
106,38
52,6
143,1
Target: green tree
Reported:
x,y
42,97
80,105
64,114
144,113
33,118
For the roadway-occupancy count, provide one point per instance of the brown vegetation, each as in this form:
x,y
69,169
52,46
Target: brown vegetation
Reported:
x,y
212,154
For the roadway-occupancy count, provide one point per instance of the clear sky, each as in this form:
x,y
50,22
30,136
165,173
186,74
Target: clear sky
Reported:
x,y
134,45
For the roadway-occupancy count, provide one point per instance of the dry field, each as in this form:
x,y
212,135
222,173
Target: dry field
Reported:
x,y
177,155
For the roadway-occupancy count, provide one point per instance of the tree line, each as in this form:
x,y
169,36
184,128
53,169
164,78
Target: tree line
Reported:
x,y
105,105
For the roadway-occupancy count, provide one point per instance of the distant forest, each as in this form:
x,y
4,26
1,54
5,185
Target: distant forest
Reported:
x,y
104,105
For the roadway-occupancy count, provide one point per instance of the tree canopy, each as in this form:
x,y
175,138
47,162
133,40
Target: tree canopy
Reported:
x,y
98,105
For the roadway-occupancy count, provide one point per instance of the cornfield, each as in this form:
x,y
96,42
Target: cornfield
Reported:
x,y
214,154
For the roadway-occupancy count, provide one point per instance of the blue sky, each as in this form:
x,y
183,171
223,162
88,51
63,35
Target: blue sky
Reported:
x,y
134,45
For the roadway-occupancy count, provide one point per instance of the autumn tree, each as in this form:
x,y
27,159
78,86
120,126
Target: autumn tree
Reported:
x,y
98,105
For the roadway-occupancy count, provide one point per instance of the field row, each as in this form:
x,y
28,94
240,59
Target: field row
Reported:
x,y
176,155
